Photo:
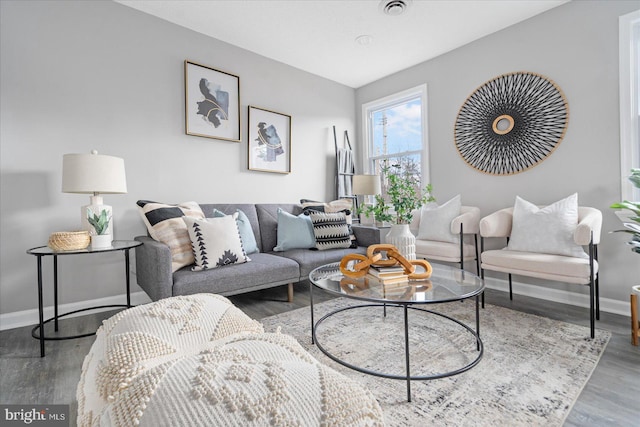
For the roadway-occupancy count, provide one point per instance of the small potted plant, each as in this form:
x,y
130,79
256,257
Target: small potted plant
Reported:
x,y
632,228
404,196
379,210
101,236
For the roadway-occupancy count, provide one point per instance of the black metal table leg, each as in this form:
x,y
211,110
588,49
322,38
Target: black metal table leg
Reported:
x,y
128,278
478,320
55,293
40,307
406,351
311,303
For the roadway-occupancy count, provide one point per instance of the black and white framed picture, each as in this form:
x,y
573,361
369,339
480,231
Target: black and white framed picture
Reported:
x,y
269,141
212,102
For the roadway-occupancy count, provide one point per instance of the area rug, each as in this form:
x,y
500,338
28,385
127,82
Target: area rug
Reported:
x,y
532,371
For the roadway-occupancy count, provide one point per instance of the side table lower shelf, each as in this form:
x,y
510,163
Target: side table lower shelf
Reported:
x,y
41,251
35,332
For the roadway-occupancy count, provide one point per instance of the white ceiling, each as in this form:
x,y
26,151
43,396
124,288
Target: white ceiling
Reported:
x,y
318,36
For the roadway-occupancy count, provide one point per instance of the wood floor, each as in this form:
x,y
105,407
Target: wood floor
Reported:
x,y
610,398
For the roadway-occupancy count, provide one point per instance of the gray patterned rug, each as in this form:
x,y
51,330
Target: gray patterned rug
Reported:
x,y
532,371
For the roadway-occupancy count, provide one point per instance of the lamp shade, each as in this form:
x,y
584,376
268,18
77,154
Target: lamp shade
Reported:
x,y
366,184
93,173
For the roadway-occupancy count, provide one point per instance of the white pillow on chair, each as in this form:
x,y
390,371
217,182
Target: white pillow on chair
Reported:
x,y
435,221
547,230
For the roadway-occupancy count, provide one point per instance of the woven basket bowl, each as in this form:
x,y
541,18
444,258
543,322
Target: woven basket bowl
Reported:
x,y
69,240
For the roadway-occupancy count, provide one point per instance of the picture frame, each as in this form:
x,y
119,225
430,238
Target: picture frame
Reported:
x,y
269,141
212,102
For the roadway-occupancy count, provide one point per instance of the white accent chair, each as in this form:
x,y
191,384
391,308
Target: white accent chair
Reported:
x,y
567,269
466,224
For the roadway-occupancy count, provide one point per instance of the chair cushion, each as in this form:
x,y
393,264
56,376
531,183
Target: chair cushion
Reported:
x,y
544,266
435,221
546,230
443,251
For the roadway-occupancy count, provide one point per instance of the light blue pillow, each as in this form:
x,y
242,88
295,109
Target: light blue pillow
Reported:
x,y
246,232
294,232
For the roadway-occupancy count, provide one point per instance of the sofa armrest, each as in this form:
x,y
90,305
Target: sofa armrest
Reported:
x,y
366,235
469,218
153,268
589,220
497,224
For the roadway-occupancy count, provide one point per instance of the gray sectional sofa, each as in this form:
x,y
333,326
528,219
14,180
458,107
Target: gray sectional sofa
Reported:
x,y
266,268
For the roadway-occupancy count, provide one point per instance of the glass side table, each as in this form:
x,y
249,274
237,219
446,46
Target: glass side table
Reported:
x,y
42,251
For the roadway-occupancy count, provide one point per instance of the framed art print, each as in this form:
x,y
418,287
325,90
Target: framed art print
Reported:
x,y
212,102
269,141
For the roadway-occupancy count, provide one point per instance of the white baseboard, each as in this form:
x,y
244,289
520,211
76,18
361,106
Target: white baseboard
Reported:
x,y
556,295
30,317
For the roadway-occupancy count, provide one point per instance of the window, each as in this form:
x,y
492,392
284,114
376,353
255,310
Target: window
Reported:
x,y
629,101
396,137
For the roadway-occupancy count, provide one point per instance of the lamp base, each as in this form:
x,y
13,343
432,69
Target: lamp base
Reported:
x,y
97,217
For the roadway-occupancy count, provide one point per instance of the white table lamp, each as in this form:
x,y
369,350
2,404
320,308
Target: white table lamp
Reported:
x,y
366,185
95,174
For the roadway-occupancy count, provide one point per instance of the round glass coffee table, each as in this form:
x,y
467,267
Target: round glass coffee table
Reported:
x,y
446,284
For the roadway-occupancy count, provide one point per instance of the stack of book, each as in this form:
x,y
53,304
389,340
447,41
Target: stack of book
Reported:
x,y
388,275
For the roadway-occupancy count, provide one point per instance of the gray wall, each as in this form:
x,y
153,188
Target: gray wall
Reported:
x,y
82,75
575,45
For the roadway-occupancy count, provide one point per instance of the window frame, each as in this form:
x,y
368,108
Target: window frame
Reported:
x,y
389,101
629,44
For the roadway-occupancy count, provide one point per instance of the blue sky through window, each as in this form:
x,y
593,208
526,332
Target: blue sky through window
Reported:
x,y
403,128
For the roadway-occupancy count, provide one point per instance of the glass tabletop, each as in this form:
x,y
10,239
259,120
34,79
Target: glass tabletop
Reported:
x,y
116,245
445,284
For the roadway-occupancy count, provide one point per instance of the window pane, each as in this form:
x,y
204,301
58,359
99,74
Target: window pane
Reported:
x,y
405,166
398,128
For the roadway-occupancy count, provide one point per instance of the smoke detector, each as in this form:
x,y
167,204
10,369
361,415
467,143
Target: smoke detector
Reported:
x,y
394,7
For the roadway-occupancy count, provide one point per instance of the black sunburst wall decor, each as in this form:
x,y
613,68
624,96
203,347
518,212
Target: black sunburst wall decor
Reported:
x,y
511,123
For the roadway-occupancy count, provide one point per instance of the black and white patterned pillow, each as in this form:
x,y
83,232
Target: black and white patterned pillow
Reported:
x,y
340,205
216,242
330,230
164,224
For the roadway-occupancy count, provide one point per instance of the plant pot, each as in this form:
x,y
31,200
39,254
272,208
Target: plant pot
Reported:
x,y
401,237
101,241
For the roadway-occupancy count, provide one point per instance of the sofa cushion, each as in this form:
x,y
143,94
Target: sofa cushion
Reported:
x,y
164,224
294,232
216,242
264,270
246,232
308,260
546,230
268,218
